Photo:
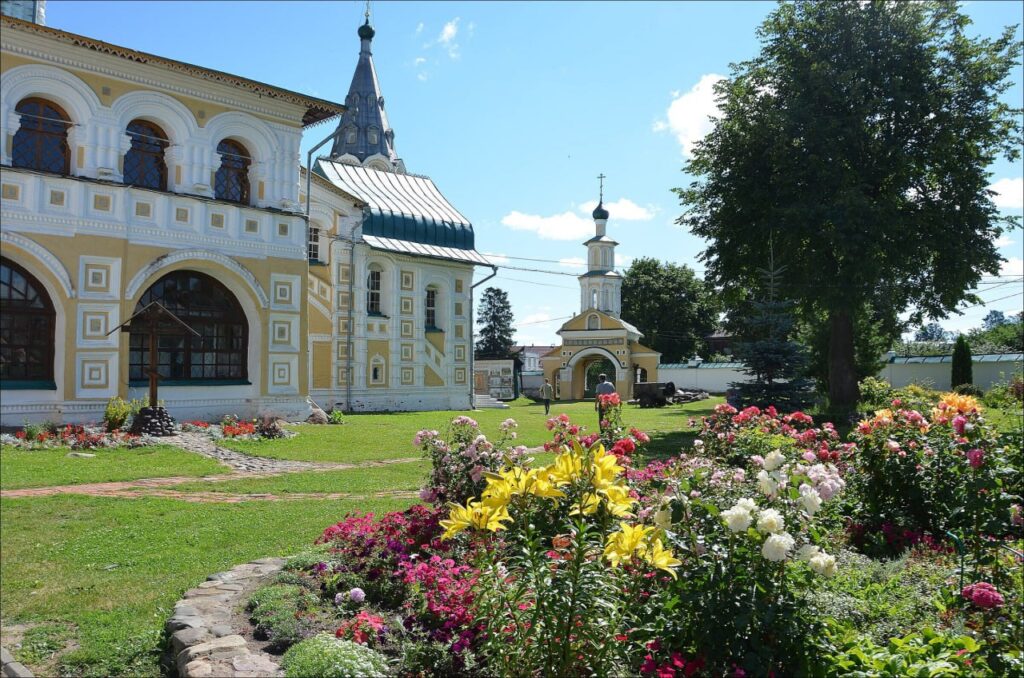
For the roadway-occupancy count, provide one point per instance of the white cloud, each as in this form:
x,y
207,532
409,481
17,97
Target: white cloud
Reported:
x,y
1012,266
688,115
419,28
535,319
1009,193
622,209
1004,241
564,226
573,262
447,38
622,260
496,259
422,77
419,61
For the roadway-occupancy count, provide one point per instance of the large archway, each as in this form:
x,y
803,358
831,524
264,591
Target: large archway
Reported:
x,y
593,368
218,356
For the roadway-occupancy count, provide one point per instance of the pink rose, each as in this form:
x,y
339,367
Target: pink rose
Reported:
x,y
976,457
959,424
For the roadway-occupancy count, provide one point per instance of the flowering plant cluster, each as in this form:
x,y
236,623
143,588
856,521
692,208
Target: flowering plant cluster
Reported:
x,y
731,434
945,472
460,459
233,428
41,437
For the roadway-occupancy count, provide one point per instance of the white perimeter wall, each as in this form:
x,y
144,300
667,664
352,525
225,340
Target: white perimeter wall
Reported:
x,y
717,380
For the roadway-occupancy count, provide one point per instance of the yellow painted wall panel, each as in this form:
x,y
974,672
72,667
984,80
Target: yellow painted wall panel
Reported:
x,y
431,378
436,340
322,370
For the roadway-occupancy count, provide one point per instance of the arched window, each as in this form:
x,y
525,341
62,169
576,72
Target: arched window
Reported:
x,y
377,370
27,320
144,164
430,309
593,298
373,291
593,322
232,179
41,142
217,355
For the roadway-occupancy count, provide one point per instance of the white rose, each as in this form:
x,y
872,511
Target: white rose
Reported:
x,y
770,521
747,504
810,499
776,547
765,484
663,519
823,564
737,518
774,460
807,551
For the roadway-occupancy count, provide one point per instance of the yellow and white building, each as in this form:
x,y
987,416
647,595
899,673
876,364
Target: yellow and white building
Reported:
x,y
597,341
127,178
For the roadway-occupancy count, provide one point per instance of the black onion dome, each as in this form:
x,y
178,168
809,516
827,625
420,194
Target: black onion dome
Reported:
x,y
600,212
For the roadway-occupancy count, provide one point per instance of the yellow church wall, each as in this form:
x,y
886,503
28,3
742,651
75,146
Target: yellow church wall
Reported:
x,y
133,259
118,88
431,378
436,340
318,322
322,370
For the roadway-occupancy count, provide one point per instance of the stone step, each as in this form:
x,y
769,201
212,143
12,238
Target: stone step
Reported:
x,y
481,402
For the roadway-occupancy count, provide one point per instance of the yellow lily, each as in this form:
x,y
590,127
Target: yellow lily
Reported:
x,y
619,501
474,514
661,558
620,546
606,468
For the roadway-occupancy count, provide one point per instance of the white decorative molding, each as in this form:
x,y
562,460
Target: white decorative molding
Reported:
x,y
173,258
50,82
170,114
44,256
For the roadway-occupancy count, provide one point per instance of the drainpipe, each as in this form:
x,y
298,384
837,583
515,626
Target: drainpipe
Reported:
x,y
351,328
472,344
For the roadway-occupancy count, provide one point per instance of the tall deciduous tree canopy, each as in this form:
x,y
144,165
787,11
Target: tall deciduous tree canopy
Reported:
x,y
495,317
857,141
673,308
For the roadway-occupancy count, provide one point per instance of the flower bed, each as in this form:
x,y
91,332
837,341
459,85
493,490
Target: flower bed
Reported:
x,y
233,428
712,563
47,436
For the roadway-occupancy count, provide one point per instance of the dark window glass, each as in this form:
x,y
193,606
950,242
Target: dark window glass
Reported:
x,y
27,320
144,163
314,244
232,179
205,305
373,292
41,142
431,308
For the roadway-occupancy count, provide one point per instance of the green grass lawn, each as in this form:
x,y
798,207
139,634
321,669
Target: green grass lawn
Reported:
x,y
400,477
39,468
366,437
105,573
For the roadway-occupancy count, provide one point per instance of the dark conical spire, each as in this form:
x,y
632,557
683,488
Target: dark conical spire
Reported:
x,y
365,131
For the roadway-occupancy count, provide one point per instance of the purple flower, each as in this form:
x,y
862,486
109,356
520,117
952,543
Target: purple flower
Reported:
x,y
356,595
320,567
339,598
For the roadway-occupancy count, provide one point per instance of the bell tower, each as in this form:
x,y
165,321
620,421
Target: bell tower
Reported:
x,y
601,286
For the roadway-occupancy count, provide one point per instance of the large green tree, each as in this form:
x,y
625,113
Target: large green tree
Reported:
x,y
857,141
673,308
495,318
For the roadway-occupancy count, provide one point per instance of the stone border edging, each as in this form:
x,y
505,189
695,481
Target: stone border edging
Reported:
x,y
203,642
11,668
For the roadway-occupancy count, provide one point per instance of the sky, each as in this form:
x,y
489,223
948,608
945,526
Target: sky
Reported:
x,y
514,108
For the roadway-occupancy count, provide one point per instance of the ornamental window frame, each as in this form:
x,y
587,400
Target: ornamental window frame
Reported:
x,y
146,156
38,314
37,130
231,180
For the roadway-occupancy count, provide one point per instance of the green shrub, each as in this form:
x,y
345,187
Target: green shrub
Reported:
x,y
969,389
1006,393
917,654
275,612
325,656
115,415
335,417
875,393
962,368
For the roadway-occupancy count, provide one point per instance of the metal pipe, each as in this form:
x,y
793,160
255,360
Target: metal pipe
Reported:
x,y
472,344
351,328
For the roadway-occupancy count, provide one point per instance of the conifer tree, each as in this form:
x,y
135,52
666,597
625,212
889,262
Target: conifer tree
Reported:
x,y
496,331
962,368
777,363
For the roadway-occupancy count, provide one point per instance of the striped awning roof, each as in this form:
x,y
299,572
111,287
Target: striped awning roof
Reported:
x,y
404,212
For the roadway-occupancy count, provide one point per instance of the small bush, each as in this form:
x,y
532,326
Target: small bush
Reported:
x,y
962,369
328,657
969,389
875,393
335,417
115,415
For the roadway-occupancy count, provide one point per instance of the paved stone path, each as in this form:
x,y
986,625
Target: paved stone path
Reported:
x,y
200,443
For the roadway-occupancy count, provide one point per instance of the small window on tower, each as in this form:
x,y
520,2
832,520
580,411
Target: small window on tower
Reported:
x,y
350,135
